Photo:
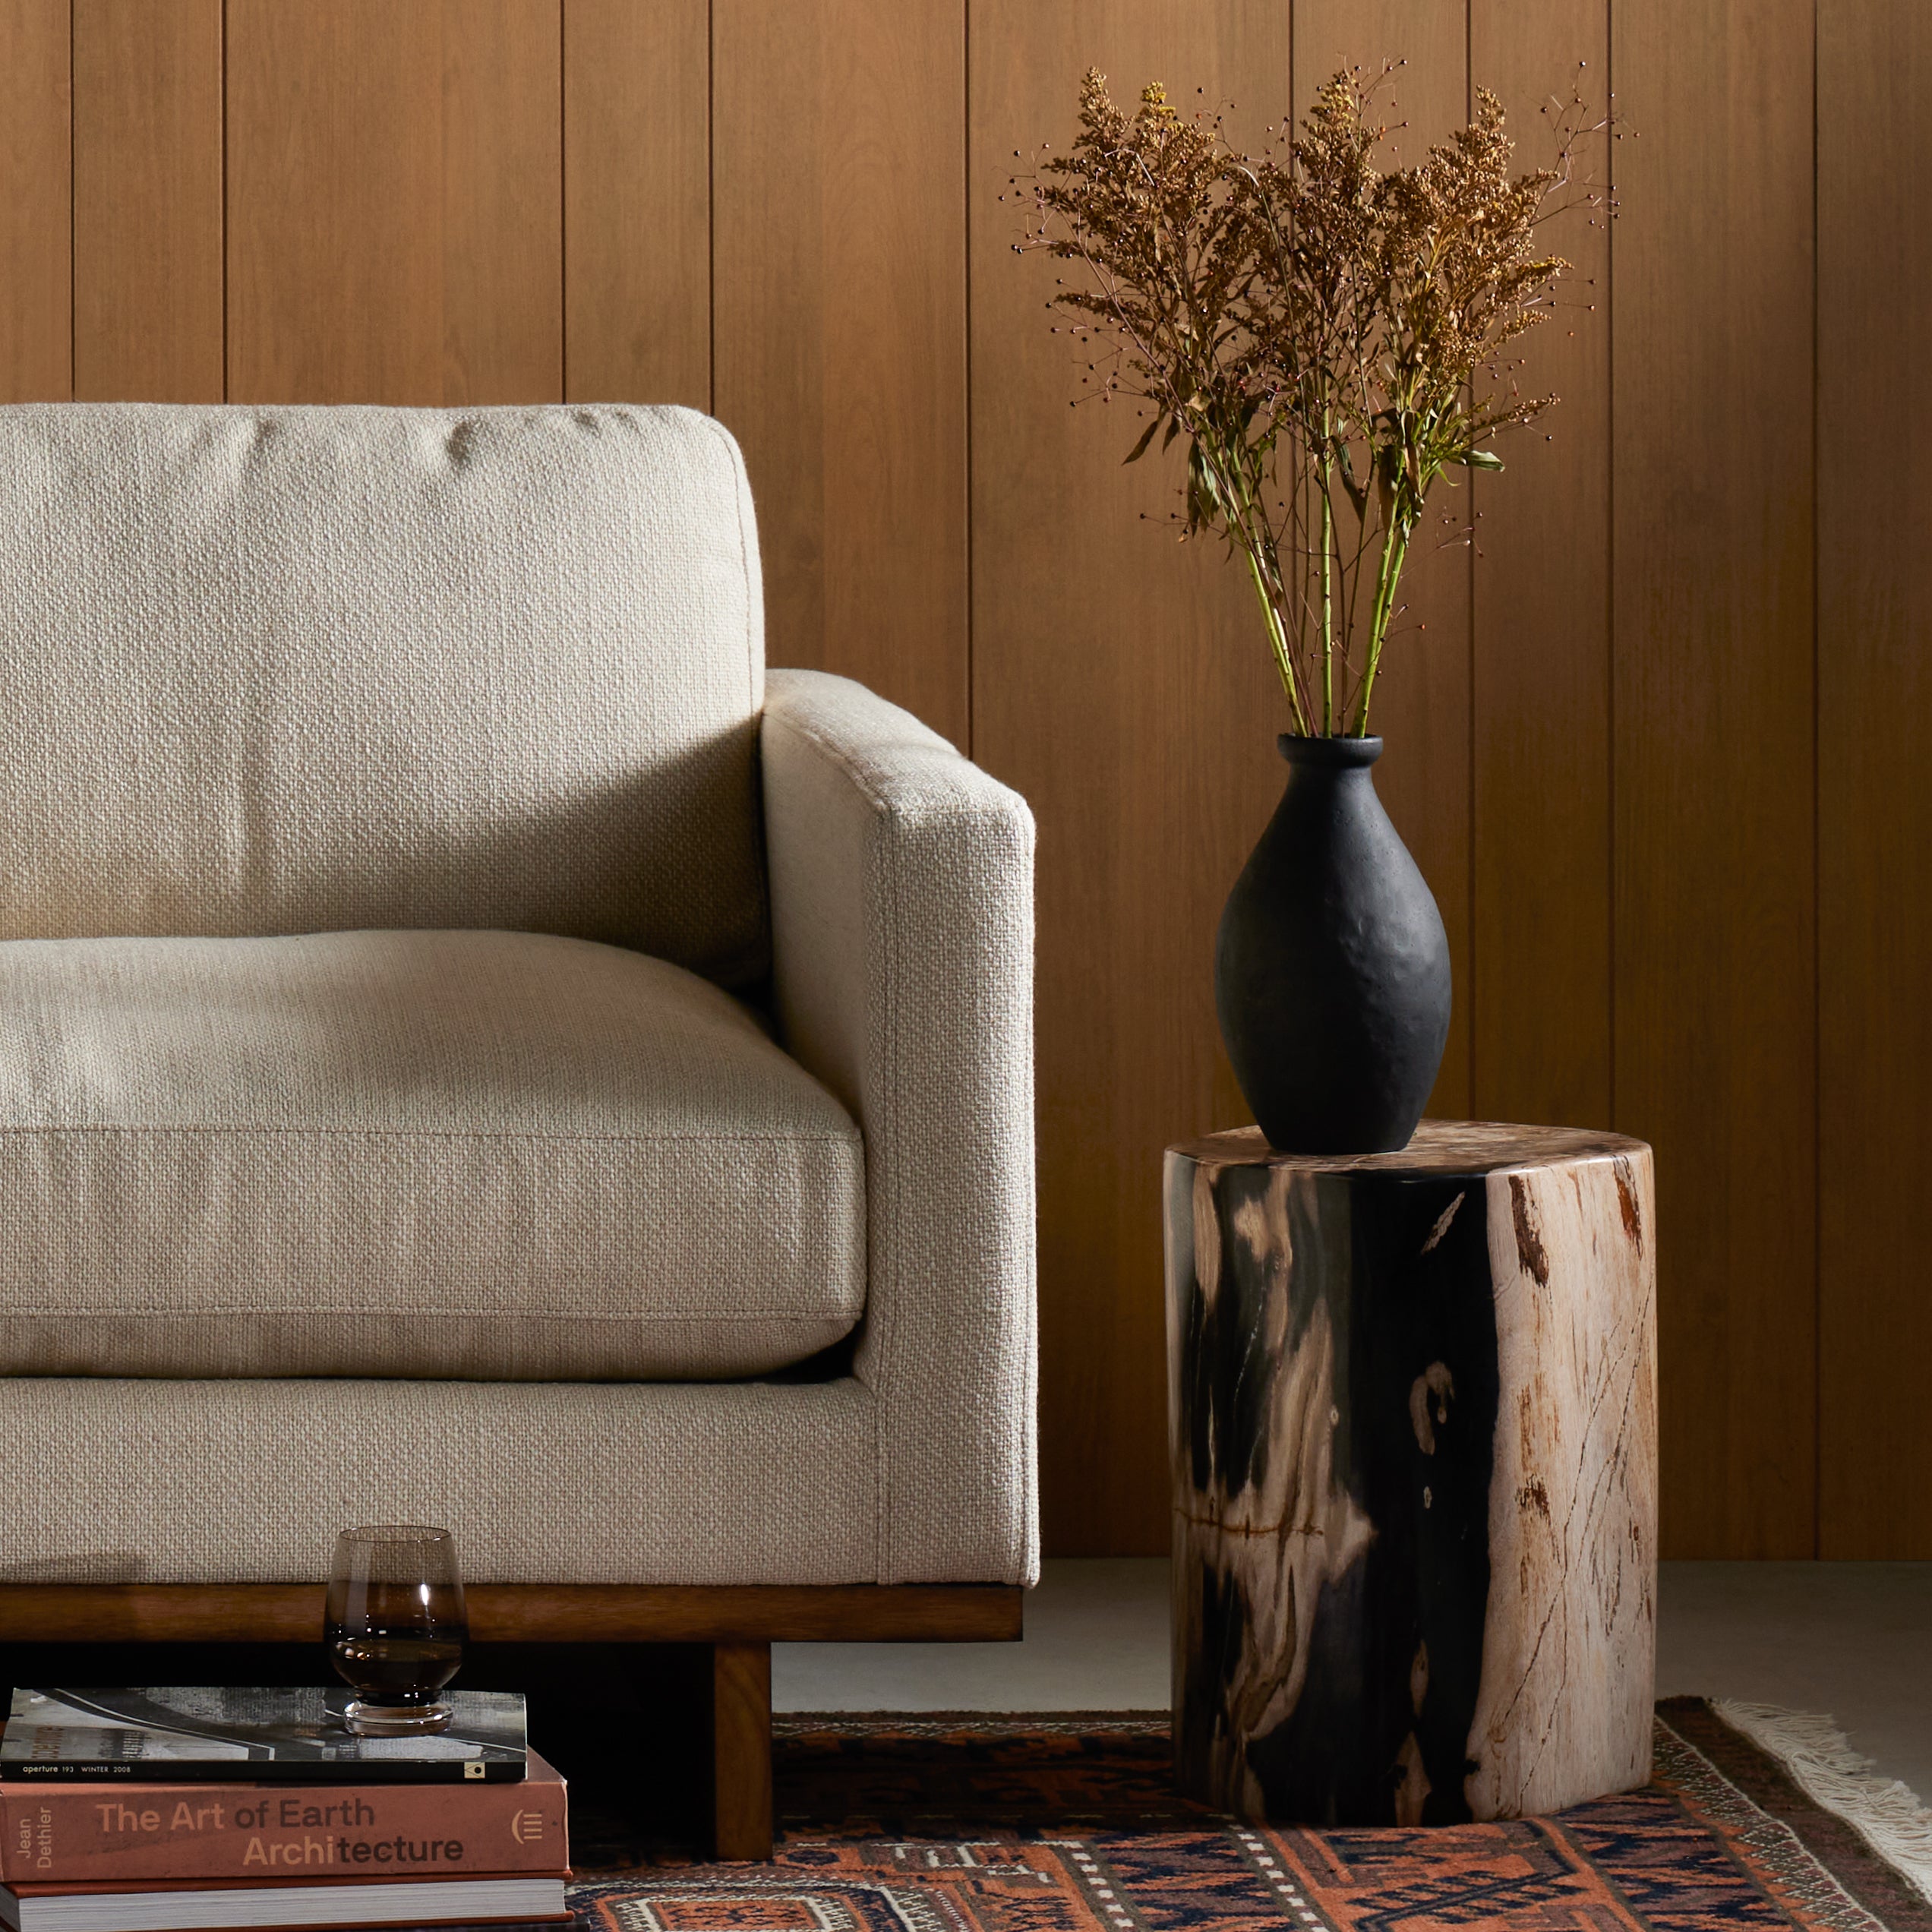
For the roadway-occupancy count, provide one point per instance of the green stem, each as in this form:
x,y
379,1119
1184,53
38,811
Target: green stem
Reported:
x,y
1277,639
1327,613
1252,540
1395,546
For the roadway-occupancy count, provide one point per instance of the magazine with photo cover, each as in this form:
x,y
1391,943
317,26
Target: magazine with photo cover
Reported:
x,y
190,1735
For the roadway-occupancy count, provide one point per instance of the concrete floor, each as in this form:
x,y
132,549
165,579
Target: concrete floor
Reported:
x,y
1854,1639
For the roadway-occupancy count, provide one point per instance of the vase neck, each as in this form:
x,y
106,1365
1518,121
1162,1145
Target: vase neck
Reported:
x,y
1337,755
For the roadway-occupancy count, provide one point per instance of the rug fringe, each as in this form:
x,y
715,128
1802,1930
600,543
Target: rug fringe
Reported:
x,y
1884,1812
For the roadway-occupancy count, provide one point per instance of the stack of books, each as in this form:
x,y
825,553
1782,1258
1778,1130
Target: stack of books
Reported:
x,y
188,1811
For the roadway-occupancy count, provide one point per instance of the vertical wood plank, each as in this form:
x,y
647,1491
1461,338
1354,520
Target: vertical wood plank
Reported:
x,y
503,201
147,200
839,306
637,202
1540,935
767,298
1122,682
335,243
1874,807
1421,704
1713,769
37,320
395,221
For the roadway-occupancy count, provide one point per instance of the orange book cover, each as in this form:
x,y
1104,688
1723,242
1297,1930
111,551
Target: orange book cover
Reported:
x,y
86,1831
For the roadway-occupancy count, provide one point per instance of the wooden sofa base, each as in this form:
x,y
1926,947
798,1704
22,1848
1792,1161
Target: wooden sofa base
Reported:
x,y
740,1623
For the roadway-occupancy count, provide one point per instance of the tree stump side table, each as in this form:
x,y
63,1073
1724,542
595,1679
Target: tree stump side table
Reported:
x,y
1412,1422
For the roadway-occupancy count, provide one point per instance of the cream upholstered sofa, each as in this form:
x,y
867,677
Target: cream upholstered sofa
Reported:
x,y
476,1047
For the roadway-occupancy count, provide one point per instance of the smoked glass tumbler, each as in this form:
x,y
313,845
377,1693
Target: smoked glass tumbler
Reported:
x,y
396,1626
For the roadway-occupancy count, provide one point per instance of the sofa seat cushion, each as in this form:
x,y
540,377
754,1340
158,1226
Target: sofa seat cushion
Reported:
x,y
502,1156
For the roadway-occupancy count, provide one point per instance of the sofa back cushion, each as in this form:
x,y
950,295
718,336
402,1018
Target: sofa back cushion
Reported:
x,y
266,670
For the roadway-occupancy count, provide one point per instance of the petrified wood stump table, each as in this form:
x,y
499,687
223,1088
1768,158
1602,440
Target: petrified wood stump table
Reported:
x,y
1412,1414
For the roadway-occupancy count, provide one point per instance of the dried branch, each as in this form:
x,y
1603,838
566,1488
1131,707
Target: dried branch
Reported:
x,y
1329,339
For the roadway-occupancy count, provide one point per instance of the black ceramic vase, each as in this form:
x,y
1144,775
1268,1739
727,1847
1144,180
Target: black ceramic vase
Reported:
x,y
1331,968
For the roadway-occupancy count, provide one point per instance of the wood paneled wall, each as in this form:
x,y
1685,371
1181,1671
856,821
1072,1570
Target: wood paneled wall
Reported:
x,y
1658,750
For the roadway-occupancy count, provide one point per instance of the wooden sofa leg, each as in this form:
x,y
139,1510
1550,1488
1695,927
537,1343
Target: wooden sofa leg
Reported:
x,y
741,1749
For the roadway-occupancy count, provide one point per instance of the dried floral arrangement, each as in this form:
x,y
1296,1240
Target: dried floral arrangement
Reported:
x,y
1329,340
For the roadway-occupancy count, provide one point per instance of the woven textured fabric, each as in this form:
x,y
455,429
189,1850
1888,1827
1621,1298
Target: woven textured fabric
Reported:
x,y
248,1481
902,931
267,671
448,1154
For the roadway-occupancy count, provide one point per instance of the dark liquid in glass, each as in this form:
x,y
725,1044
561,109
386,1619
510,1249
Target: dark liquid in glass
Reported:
x,y
403,1667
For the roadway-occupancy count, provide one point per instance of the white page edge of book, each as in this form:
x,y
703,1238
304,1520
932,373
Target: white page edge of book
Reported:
x,y
416,1901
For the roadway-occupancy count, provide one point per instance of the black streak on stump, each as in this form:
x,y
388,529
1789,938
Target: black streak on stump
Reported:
x,y
1410,1309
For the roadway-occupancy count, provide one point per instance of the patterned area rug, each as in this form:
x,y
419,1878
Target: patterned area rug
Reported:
x,y
1067,1824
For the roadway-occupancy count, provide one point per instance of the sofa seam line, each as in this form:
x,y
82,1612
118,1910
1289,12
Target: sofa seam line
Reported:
x,y
831,752
989,812
82,1313
200,1130
887,855
740,489
283,1380
431,1311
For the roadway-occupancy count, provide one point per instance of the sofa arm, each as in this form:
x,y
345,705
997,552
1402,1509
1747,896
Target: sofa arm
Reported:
x,y
901,879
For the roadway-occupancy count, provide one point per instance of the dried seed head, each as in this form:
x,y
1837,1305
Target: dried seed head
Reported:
x,y
1327,337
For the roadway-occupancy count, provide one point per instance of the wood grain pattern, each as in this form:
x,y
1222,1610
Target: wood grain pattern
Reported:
x,y
1540,926
1438,1147
1422,696
1874,808
637,202
37,317
395,202
525,1613
1412,1426
1122,683
839,301
147,200
1712,501
1569,1639
741,1750
502,89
